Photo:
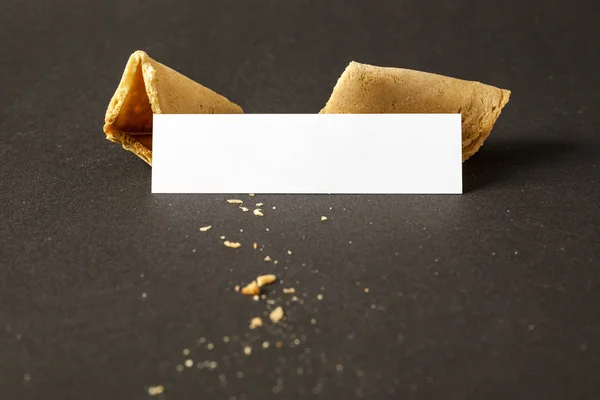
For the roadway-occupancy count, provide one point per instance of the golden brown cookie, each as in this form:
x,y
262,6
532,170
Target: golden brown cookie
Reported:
x,y
370,89
149,87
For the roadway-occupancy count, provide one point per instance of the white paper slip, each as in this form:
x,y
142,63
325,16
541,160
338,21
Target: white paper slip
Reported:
x,y
307,153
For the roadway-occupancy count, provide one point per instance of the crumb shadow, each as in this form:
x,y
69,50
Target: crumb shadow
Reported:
x,y
498,162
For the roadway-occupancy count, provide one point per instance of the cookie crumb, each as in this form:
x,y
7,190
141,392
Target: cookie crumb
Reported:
x,y
258,212
247,350
27,377
255,245
205,228
235,201
290,252
265,345
251,195
186,352
255,322
276,315
189,363
156,390
251,289
259,205
319,297
279,344
233,245
366,290
222,237
244,209
265,280
289,290
237,288
275,262
323,218
267,258
255,298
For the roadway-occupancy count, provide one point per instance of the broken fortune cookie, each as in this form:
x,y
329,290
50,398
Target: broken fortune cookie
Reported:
x,y
149,87
368,89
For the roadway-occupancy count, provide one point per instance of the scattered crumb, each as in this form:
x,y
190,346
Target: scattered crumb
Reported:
x,y
276,315
144,295
265,345
255,298
289,290
244,209
251,195
186,352
239,374
255,322
296,341
255,245
274,208
275,262
237,288
279,344
210,346
319,297
265,280
290,252
27,377
189,363
233,245
251,289
235,201
531,327
226,339
241,230
366,290
258,212
259,205
313,321
179,368
222,237
156,390
247,350
339,367
323,218
205,228
267,258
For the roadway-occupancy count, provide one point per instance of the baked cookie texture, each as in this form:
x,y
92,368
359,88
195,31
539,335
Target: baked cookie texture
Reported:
x,y
369,89
148,87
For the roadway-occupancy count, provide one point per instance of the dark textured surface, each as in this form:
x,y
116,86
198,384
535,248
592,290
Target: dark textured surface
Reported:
x,y
493,294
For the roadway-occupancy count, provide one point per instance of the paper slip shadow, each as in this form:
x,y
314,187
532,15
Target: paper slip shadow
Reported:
x,y
499,162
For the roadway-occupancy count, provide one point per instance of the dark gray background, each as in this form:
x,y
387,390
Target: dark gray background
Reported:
x,y
493,294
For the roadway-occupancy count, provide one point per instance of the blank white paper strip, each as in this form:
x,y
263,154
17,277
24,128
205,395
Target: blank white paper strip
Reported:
x,y
307,153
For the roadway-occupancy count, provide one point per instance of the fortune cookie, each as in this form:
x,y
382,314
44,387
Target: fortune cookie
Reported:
x,y
370,89
149,87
